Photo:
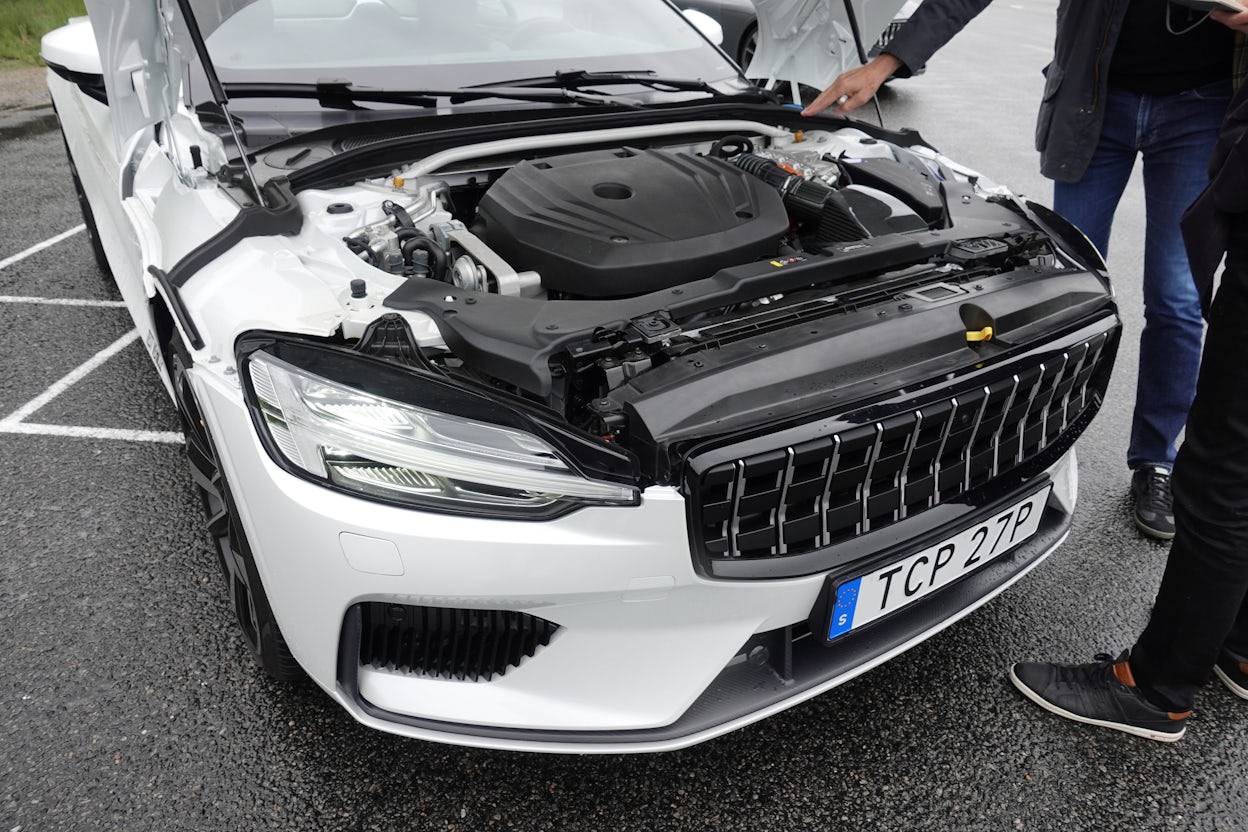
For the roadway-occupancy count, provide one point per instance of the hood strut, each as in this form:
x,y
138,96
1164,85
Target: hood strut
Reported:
x,y
218,92
862,51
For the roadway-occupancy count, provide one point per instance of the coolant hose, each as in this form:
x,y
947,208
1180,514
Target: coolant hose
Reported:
x,y
414,241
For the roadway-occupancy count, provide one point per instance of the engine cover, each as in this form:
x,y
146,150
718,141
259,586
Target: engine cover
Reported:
x,y
617,223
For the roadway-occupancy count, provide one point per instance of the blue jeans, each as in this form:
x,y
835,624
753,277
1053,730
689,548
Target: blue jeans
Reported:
x,y
1175,134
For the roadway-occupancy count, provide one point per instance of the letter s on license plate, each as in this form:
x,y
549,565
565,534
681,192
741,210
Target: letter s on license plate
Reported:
x,y
875,595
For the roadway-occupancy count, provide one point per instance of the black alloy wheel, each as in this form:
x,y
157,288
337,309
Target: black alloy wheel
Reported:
x,y
247,597
749,45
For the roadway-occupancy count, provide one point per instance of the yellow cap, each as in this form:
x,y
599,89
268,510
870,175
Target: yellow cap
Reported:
x,y
398,181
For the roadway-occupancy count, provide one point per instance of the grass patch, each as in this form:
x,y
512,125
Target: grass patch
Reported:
x,y
24,22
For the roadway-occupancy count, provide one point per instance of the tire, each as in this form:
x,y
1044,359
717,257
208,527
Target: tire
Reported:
x,y
749,45
255,619
88,218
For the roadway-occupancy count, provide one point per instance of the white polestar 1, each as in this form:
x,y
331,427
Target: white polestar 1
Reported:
x,y
548,385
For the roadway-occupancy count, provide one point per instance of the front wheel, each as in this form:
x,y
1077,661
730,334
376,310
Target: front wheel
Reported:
x,y
749,45
247,597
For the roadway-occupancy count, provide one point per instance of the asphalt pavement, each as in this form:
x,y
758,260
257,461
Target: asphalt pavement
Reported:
x,y
128,701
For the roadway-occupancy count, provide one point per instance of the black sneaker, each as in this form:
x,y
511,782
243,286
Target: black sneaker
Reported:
x,y
1154,507
1233,672
1101,693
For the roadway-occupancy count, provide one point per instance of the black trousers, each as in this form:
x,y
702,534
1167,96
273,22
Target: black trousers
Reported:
x,y
1202,605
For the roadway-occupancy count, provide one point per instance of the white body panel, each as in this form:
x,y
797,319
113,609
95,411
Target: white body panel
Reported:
x,y
664,645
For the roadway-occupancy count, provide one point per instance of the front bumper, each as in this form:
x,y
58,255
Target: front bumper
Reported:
x,y
650,655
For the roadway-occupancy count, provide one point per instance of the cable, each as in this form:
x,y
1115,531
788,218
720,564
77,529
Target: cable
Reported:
x,y
1170,20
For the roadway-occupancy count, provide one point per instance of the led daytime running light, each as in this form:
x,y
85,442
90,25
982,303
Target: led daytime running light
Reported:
x,y
314,420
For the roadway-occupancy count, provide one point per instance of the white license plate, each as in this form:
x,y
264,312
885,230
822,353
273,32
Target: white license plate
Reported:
x,y
887,590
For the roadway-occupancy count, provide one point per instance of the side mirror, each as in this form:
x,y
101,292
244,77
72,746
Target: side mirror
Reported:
x,y
707,25
73,47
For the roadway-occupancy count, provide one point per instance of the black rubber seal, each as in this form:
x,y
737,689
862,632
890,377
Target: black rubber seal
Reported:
x,y
282,218
174,298
92,85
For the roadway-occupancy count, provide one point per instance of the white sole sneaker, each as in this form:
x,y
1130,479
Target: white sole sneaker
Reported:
x,y
1238,690
1147,733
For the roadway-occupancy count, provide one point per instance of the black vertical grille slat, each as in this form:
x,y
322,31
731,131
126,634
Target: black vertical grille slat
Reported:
x,y
476,647
437,640
509,638
800,498
422,648
449,643
497,624
447,624
523,636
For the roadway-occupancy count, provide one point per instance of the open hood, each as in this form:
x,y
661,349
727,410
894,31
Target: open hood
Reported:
x,y
145,46
144,51
812,41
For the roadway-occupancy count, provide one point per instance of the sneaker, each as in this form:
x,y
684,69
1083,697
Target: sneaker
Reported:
x,y
1154,507
1102,693
1233,673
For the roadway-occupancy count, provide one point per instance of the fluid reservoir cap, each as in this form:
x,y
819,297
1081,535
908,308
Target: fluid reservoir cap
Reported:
x,y
340,208
358,288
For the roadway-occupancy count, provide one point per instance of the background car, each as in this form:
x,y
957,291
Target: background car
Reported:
x,y
740,23
536,404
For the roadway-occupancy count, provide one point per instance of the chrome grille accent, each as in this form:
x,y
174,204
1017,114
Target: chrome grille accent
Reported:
x,y
806,496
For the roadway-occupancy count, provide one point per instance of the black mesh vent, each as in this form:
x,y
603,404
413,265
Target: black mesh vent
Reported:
x,y
449,643
811,495
356,142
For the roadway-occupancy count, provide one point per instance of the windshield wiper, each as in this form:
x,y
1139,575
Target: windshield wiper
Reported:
x,y
580,80
338,95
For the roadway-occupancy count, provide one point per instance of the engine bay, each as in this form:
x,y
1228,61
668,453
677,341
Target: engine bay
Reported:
x,y
621,222
614,283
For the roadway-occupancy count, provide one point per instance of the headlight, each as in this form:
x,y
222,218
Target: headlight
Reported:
x,y
389,447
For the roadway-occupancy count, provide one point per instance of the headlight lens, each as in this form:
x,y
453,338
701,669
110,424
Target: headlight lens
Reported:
x,y
381,447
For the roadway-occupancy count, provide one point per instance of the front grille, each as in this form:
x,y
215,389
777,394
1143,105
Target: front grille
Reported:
x,y
449,643
804,497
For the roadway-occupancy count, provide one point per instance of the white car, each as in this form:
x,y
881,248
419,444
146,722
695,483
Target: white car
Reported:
x,y
740,28
548,385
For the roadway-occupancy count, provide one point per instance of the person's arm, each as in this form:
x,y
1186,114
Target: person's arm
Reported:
x,y
1235,20
933,25
1234,125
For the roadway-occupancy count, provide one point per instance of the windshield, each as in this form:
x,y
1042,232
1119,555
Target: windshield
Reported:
x,y
413,44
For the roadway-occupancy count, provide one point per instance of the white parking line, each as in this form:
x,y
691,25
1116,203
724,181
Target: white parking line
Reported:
x,y
22,255
110,304
79,432
15,422
71,378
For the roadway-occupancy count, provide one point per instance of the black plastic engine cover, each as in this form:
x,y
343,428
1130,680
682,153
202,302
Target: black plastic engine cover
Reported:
x,y
917,190
616,223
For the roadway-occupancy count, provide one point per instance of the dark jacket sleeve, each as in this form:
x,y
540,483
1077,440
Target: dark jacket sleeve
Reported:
x,y
1206,225
933,25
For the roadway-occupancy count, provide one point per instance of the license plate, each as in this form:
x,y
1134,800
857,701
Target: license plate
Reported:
x,y
876,594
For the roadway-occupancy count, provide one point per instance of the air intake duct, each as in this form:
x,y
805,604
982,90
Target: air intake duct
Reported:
x,y
809,201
